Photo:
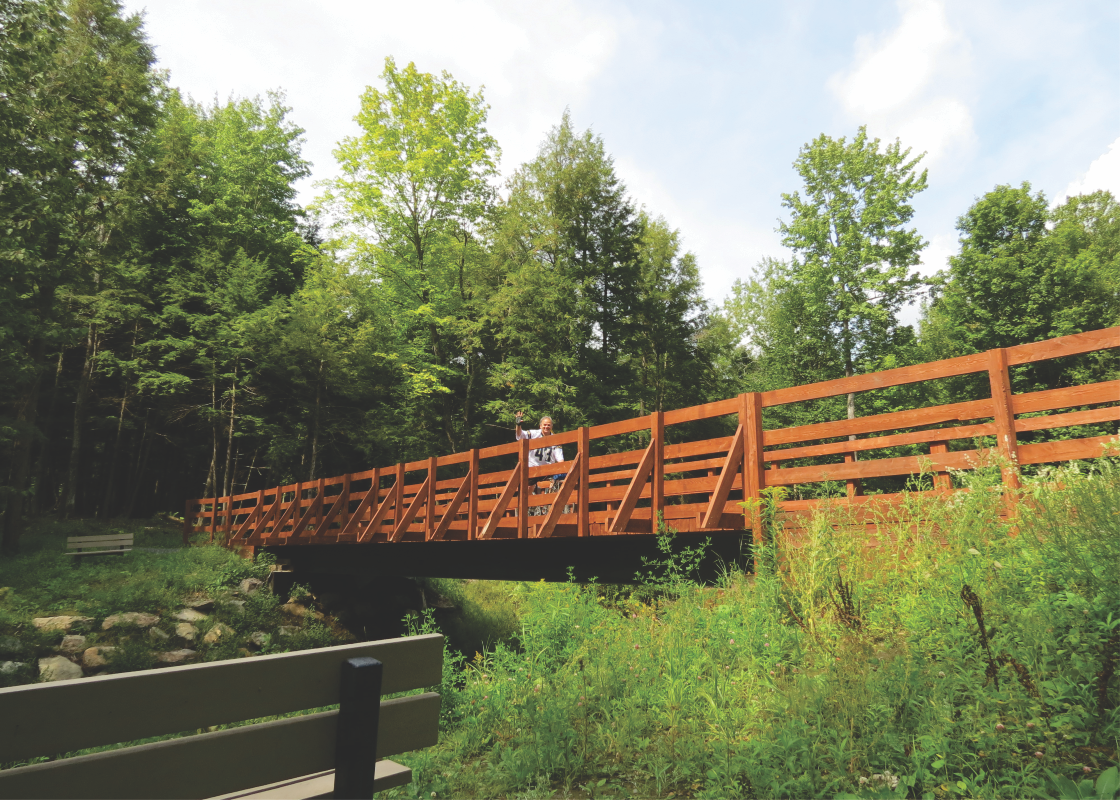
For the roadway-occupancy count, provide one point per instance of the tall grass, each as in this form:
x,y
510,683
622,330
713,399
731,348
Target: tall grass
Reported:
x,y
964,656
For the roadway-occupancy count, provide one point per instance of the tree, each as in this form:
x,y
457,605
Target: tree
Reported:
x,y
414,188
852,254
669,317
79,93
563,317
1025,273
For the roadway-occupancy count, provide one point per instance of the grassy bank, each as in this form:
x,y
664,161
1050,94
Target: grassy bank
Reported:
x,y
161,579
953,660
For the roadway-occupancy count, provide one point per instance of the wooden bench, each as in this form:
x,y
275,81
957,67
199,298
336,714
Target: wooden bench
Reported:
x,y
113,544
324,754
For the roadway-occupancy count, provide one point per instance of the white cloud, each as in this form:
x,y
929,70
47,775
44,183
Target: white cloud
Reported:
x,y
534,59
897,81
1103,173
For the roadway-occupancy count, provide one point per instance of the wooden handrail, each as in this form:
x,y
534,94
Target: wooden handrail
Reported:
x,y
608,492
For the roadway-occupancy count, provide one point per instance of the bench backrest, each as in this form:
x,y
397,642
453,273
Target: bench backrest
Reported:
x,y
111,541
54,718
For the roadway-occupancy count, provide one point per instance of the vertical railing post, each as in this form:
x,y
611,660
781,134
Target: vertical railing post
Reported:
x,y
941,479
398,496
584,528
523,492
258,513
343,498
1006,442
317,518
430,501
227,523
754,467
472,513
657,486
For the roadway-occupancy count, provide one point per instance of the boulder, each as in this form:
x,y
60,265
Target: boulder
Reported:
x,y
11,667
237,606
294,609
184,630
12,647
199,603
175,656
217,633
287,630
58,668
95,657
250,586
137,618
65,623
190,615
72,644
158,636
258,638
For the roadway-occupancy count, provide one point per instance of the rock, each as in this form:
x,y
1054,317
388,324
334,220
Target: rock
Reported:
x,y
72,644
58,668
217,633
200,603
95,657
287,630
175,656
250,586
190,615
12,667
12,647
258,638
184,630
65,624
137,618
242,652
237,606
294,609
157,635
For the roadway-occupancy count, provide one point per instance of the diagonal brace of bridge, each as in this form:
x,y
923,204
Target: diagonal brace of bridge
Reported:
x,y
685,466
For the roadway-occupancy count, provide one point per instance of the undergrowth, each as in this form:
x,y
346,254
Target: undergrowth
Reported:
x,y
965,656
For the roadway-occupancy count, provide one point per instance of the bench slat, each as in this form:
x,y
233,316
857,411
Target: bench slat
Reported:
x,y
126,538
137,705
211,764
114,552
388,775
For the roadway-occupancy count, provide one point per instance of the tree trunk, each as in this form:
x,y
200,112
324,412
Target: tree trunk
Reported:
x,y
315,424
212,475
36,497
228,483
12,521
70,495
141,465
114,457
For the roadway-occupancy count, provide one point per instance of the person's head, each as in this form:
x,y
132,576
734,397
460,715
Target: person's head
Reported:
x,y
546,425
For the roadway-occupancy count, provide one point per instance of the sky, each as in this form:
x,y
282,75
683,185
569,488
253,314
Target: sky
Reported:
x,y
703,105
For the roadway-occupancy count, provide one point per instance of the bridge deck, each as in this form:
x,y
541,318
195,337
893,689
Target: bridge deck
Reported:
x,y
696,484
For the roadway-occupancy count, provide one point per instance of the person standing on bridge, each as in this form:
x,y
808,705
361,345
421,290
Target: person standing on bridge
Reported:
x,y
541,456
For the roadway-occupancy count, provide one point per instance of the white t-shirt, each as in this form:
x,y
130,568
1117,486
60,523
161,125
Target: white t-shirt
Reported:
x,y
542,455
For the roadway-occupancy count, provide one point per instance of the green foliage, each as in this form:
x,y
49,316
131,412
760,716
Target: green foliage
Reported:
x,y
852,254
840,671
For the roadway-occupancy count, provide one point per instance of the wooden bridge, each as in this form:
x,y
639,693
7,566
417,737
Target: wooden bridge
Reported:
x,y
608,487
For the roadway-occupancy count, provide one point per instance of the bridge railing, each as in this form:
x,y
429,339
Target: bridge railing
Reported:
x,y
694,485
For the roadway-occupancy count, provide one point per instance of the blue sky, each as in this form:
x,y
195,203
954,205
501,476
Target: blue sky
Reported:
x,y
704,106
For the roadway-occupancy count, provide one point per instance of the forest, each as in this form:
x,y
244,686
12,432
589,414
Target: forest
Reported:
x,y
175,324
